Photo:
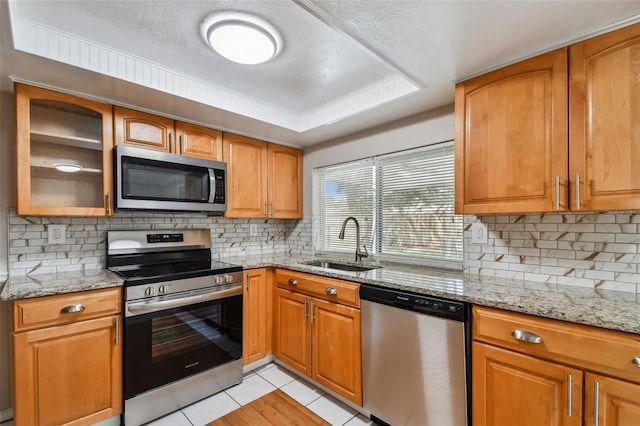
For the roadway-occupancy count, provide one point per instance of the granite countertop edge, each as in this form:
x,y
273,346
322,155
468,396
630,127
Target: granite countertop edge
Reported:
x,y
608,309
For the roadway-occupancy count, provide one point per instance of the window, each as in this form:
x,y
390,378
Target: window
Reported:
x,y
402,201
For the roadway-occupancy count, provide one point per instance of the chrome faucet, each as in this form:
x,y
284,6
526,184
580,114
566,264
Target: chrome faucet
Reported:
x,y
359,253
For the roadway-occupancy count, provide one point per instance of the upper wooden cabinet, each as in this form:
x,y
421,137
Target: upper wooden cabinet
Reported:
x,y
64,154
163,134
511,138
198,141
517,149
604,121
137,128
264,179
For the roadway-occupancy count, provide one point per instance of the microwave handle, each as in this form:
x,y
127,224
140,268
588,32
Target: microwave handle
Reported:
x,y
212,186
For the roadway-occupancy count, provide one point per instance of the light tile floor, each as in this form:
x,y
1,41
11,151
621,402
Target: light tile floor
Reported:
x,y
255,384
260,382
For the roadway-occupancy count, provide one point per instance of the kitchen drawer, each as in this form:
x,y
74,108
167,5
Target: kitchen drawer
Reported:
x,y
591,348
346,292
46,311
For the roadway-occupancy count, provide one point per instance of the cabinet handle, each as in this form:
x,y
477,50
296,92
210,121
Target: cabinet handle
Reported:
x,y
266,213
293,281
313,307
72,309
557,192
305,309
577,192
332,291
596,403
272,209
170,142
183,142
526,336
248,282
636,361
117,331
109,203
569,393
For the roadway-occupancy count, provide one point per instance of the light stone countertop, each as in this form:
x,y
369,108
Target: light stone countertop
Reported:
x,y
614,310
601,308
26,286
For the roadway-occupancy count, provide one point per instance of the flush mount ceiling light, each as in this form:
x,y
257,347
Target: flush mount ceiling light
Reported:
x,y
241,38
67,168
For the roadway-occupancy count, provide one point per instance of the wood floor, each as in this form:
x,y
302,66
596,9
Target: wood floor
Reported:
x,y
275,408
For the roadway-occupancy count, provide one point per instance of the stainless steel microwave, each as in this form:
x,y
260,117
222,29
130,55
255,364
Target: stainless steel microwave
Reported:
x,y
152,180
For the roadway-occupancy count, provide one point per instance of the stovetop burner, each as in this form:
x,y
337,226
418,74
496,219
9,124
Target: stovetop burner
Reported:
x,y
143,257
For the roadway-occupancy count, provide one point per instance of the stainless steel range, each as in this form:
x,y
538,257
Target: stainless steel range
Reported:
x,y
183,320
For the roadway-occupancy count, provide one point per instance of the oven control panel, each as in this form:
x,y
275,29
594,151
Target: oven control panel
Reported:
x,y
166,288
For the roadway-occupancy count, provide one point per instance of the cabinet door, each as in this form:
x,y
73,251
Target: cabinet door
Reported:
x,y
292,344
68,373
197,141
246,176
285,182
256,343
617,402
511,138
143,130
513,389
604,115
336,349
64,154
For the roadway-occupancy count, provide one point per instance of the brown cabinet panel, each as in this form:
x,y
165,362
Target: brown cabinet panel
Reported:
x,y
198,141
292,343
144,130
511,137
513,389
56,131
68,374
337,349
256,343
285,182
618,402
264,179
605,111
246,176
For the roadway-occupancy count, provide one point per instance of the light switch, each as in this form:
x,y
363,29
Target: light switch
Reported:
x,y
253,230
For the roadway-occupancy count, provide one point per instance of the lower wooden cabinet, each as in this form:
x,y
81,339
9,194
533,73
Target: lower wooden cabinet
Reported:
x,y
256,341
69,373
514,389
533,371
320,339
617,402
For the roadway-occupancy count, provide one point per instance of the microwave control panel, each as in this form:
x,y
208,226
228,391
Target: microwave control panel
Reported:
x,y
220,190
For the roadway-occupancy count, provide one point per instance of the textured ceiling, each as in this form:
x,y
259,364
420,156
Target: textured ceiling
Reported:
x,y
346,65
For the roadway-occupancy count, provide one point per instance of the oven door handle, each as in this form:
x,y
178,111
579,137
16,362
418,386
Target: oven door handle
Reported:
x,y
138,308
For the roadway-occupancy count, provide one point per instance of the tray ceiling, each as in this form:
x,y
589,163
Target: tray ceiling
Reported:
x,y
345,66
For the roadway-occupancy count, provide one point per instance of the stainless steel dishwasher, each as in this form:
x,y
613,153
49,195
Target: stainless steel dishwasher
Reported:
x,y
415,358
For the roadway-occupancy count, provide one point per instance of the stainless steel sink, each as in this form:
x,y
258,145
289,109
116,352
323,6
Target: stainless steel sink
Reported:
x,y
340,266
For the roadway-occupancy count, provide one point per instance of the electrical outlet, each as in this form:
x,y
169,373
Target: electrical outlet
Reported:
x,y
479,233
56,234
253,230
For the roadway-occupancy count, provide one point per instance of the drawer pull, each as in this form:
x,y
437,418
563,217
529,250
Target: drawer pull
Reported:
x,y
569,393
293,281
596,403
526,336
72,309
636,361
332,291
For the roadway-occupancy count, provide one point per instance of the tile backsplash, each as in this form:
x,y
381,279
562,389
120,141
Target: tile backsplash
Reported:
x,y
85,245
596,250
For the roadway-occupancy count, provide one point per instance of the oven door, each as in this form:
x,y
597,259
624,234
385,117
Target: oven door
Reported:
x,y
165,346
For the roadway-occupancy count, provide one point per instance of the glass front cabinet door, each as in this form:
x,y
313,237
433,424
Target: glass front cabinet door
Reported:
x,y
64,154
